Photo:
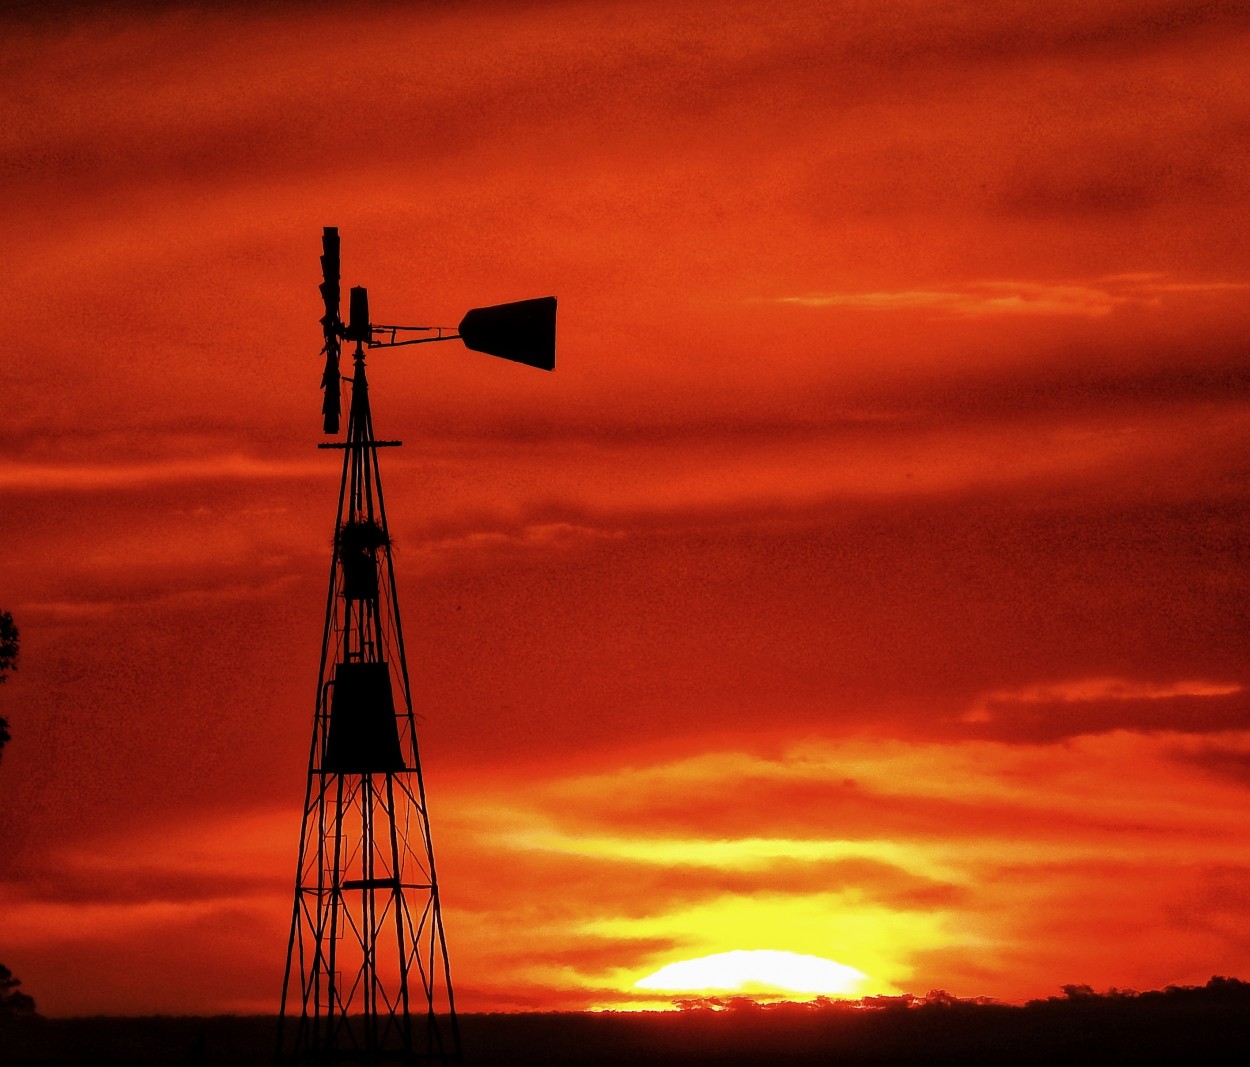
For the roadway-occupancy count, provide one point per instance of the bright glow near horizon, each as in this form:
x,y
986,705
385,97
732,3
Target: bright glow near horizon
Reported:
x,y
756,971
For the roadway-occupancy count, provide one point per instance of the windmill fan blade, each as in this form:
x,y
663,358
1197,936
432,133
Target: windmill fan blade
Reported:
x,y
330,325
330,275
524,331
331,404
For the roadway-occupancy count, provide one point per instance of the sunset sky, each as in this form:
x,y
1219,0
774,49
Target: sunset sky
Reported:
x,y
870,581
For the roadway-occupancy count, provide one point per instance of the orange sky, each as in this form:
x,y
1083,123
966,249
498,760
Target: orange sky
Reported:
x,y
869,581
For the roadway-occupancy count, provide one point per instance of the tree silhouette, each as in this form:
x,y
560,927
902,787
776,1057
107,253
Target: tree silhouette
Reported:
x,y
12,1003
8,644
8,662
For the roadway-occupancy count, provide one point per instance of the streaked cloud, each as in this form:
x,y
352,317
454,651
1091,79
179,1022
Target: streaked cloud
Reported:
x,y
1097,689
41,478
1021,298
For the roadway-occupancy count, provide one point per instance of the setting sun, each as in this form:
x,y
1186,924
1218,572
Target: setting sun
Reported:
x,y
758,971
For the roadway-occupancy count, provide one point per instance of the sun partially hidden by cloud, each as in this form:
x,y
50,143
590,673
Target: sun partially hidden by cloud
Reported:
x,y
758,972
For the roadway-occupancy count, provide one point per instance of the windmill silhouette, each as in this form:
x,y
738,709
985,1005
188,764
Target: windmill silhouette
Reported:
x,y
367,975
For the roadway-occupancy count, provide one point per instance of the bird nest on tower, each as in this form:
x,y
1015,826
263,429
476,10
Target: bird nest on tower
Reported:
x,y
356,544
362,534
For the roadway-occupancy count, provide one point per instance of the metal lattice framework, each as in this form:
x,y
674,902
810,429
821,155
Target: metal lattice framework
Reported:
x,y
367,979
367,976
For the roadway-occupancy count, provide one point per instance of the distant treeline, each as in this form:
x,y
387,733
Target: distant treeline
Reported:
x,y
1217,990
1178,1025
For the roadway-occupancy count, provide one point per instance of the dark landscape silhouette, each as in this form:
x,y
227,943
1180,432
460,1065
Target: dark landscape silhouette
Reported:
x,y
1180,1024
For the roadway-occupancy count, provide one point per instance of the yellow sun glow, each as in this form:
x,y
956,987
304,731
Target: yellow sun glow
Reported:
x,y
757,971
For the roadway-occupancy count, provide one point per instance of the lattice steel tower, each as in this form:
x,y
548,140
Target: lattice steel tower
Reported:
x,y
367,976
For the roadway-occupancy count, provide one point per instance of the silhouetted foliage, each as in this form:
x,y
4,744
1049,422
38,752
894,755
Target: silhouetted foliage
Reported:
x,y
1078,992
1218,990
13,1005
8,644
8,662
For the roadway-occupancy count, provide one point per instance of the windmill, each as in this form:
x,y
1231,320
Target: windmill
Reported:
x,y
367,976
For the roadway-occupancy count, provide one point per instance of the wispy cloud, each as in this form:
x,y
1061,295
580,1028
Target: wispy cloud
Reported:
x,y
532,536
86,478
1084,690
982,299
1086,706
